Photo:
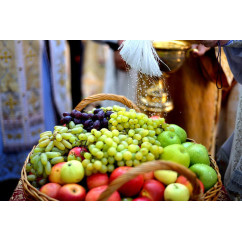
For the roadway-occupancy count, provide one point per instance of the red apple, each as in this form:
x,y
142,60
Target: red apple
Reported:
x,y
155,117
95,193
51,189
141,199
201,184
97,180
148,175
130,188
77,153
55,174
153,189
183,180
72,192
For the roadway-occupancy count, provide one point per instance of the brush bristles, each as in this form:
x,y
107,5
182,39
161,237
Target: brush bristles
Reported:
x,y
141,56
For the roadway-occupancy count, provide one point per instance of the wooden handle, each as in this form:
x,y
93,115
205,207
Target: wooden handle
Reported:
x,y
106,96
152,166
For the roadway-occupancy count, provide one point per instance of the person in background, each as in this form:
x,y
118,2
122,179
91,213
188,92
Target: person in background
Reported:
x,y
119,79
230,154
77,57
34,92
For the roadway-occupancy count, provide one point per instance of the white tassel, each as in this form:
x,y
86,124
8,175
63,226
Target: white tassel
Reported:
x,y
141,56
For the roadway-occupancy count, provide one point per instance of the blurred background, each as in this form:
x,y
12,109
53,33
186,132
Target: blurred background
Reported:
x,y
39,80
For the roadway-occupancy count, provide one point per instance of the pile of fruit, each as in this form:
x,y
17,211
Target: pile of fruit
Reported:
x,y
89,150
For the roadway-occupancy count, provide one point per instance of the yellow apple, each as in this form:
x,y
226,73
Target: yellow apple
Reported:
x,y
166,176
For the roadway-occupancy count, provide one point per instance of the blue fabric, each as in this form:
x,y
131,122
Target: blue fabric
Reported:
x,y
12,163
234,56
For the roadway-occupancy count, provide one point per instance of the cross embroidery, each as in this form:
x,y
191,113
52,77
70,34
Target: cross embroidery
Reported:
x,y
30,55
5,56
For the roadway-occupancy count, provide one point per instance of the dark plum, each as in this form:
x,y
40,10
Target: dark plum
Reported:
x,y
62,121
88,123
85,116
90,115
108,113
105,123
73,113
95,117
67,119
101,115
66,114
97,110
77,121
78,115
96,124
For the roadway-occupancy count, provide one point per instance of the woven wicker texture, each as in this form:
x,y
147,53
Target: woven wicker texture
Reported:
x,y
34,194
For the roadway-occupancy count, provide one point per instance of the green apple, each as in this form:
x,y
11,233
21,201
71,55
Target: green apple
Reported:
x,y
166,176
198,154
176,192
176,153
206,174
180,132
168,138
72,172
187,144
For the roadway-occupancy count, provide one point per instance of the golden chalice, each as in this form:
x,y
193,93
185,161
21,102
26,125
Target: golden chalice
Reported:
x,y
152,96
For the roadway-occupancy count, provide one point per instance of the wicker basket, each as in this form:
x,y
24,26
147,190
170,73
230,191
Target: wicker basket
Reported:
x,y
34,194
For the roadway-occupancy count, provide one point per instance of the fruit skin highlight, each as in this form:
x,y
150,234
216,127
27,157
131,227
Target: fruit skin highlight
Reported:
x,y
130,188
153,190
206,174
72,172
176,192
180,132
166,176
72,192
198,154
176,153
168,138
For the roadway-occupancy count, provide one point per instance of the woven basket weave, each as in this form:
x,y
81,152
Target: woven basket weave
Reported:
x,y
212,194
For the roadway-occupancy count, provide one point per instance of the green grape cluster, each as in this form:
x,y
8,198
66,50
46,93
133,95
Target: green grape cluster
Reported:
x,y
110,149
51,150
123,120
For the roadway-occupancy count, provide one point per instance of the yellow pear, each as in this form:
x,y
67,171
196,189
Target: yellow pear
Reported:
x,y
166,176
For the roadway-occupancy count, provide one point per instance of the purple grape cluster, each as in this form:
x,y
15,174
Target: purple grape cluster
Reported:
x,y
96,120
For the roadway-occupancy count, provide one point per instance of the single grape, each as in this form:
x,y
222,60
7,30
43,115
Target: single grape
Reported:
x,y
96,124
111,167
99,155
66,114
150,157
129,163
105,123
104,161
85,116
118,156
120,163
88,123
85,162
99,145
97,110
127,155
112,151
103,169
144,151
89,167
97,165
77,121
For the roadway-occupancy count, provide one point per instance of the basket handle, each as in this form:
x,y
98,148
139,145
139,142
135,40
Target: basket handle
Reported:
x,y
106,96
152,166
